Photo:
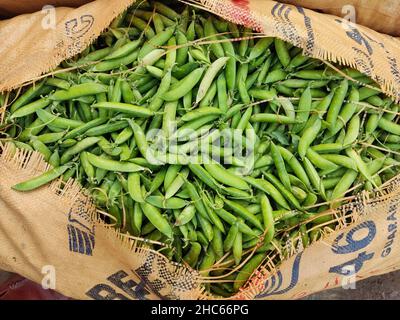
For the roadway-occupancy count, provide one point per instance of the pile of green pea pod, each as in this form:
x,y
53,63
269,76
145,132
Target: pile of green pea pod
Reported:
x,y
319,135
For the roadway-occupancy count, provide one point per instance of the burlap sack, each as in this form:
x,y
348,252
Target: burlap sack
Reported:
x,y
382,16
57,231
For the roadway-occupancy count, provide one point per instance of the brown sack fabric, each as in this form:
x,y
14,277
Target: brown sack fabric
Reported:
x,y
10,8
382,16
57,225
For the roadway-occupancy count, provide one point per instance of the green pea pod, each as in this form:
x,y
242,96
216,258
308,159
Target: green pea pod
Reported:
x,y
282,52
268,219
170,203
134,187
79,90
185,85
225,177
78,147
260,47
361,165
303,111
40,180
209,77
230,238
247,270
156,41
157,219
210,32
309,135
336,104
344,184
186,215
113,165
193,254
314,177
352,131
30,108
58,122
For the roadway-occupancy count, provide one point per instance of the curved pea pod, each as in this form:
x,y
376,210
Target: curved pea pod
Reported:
x,y
192,257
247,270
87,167
204,176
41,148
30,108
352,132
269,189
157,219
280,166
136,111
389,126
112,165
209,77
27,96
314,177
268,218
210,32
123,50
156,41
170,203
207,261
260,47
186,215
58,122
230,238
320,162
303,111
285,192
79,90
177,183
225,177
84,127
41,180
344,184
361,165
201,112
336,104
262,94
51,137
341,160
134,188
309,135
243,212
230,68
181,88
282,52
295,165
78,147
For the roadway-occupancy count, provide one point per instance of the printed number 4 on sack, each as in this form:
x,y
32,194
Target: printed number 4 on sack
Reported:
x,y
351,245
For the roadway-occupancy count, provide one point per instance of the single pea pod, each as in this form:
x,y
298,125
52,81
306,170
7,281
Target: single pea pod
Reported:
x,y
209,77
41,180
163,203
113,165
247,270
336,104
79,90
157,219
181,88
